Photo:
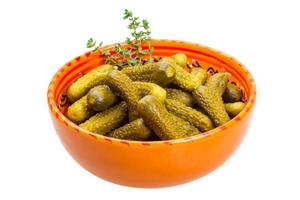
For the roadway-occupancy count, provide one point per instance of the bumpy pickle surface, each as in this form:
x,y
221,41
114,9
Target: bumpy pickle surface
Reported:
x,y
218,82
183,79
180,59
232,93
101,98
181,96
108,120
161,73
234,109
146,88
165,125
79,111
196,118
83,84
212,104
124,87
135,130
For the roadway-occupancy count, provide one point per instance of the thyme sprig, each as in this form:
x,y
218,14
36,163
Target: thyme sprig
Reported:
x,y
133,53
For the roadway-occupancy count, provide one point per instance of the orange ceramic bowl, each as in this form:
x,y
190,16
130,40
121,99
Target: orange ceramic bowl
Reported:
x,y
157,163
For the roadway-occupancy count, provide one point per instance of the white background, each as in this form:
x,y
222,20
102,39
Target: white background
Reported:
x,y
38,37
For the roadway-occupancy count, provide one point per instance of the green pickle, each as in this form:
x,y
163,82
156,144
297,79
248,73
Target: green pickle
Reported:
x,y
79,111
183,79
232,93
135,130
101,98
180,59
196,118
218,82
198,75
83,84
125,88
146,88
162,100
234,109
212,103
161,73
108,120
165,125
181,96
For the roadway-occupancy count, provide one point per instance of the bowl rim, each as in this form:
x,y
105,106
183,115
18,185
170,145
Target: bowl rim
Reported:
x,y
54,110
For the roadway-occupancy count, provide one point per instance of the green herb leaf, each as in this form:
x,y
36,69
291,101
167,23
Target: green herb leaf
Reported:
x,y
131,55
91,43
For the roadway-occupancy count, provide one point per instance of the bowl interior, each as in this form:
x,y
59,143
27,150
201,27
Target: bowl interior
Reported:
x,y
199,56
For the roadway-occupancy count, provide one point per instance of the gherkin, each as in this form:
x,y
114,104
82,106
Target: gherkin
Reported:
x,y
161,73
185,80
181,96
196,118
180,59
165,125
100,98
124,87
83,84
212,103
135,130
79,111
234,109
232,93
146,88
108,120
218,82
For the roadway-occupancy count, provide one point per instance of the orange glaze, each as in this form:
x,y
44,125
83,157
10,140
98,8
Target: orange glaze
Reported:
x,y
157,163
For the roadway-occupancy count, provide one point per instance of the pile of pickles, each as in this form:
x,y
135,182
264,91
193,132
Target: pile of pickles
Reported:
x,y
162,100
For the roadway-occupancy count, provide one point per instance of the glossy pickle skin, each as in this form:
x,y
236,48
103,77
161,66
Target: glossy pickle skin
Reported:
x,y
146,88
180,59
83,84
124,87
165,125
79,111
199,75
135,130
194,117
101,98
232,93
108,120
234,109
147,106
218,82
212,104
161,73
183,79
181,96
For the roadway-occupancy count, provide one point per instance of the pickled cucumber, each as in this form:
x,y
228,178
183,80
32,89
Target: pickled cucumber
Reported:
x,y
124,87
218,82
100,98
83,84
180,59
165,125
232,93
180,96
196,118
212,103
135,130
183,79
234,108
161,73
79,111
146,88
199,75
108,120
